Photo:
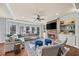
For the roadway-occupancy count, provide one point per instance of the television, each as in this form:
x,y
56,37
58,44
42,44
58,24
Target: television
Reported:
x,y
51,25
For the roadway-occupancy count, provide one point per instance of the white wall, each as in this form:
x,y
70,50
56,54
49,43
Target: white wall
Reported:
x,y
2,30
77,28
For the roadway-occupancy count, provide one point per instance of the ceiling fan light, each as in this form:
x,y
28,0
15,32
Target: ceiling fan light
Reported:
x,y
23,17
38,18
57,14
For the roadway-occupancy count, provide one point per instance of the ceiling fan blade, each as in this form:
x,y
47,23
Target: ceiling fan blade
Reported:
x,y
42,19
35,20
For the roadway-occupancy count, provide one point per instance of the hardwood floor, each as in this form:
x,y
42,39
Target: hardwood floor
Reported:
x,y
2,49
73,52
22,53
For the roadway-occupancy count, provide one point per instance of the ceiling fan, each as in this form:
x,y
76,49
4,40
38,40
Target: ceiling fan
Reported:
x,y
38,17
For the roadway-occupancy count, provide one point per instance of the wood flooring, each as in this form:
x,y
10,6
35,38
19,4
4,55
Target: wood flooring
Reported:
x,y
72,52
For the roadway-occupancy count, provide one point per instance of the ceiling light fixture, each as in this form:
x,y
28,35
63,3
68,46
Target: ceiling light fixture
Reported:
x,y
57,14
23,17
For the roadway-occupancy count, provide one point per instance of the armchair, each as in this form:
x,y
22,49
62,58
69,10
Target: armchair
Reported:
x,y
51,50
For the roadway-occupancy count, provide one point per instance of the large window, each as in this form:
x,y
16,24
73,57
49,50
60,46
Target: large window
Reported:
x,y
38,30
13,29
21,29
33,29
27,29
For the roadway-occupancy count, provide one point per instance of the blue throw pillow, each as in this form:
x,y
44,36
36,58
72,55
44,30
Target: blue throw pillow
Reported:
x,y
38,43
48,41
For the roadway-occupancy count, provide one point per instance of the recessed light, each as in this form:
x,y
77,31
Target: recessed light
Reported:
x,y
57,13
23,17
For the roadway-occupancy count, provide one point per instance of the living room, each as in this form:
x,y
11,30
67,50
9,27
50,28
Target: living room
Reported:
x,y
39,29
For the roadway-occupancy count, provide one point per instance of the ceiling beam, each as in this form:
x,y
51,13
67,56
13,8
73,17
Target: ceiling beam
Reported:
x,y
10,10
75,8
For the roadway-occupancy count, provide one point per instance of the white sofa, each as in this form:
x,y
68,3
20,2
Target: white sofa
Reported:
x,y
28,37
9,45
